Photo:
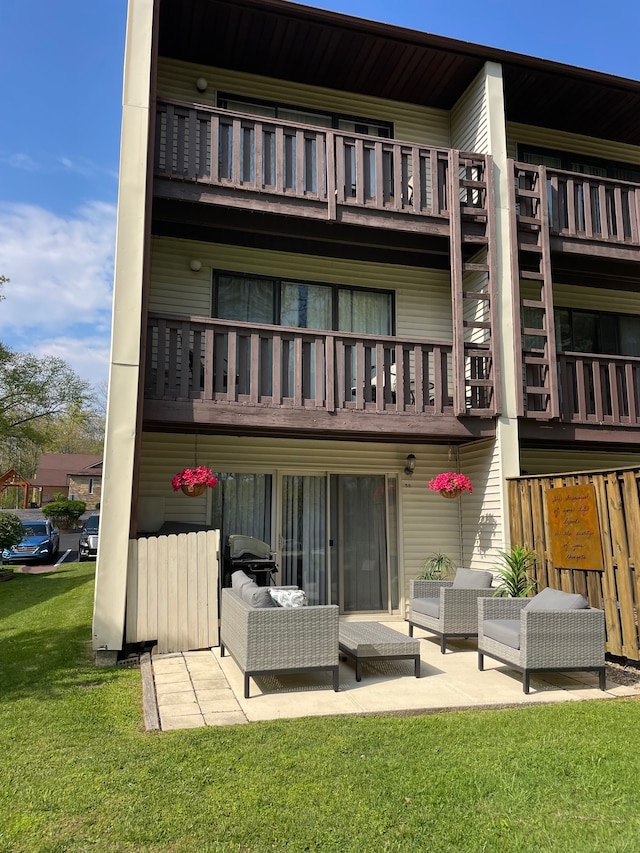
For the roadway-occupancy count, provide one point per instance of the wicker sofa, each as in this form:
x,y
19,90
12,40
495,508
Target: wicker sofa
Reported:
x,y
553,631
275,639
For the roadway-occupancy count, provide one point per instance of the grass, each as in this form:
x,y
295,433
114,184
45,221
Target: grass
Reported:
x,y
78,773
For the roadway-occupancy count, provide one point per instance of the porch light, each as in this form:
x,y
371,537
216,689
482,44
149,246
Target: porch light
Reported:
x,y
195,265
410,467
201,84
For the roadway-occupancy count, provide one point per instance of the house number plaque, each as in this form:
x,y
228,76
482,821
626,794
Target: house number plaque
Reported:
x,y
575,532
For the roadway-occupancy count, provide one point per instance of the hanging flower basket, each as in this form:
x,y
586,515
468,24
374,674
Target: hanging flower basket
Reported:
x,y
450,484
194,481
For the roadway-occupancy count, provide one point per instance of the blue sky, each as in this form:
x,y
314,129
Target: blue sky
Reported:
x,y
61,72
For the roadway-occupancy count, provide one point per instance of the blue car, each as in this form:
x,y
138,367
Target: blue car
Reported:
x,y
41,541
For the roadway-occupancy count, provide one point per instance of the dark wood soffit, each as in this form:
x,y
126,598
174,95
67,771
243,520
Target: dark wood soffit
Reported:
x,y
299,43
538,434
378,436
590,271
287,234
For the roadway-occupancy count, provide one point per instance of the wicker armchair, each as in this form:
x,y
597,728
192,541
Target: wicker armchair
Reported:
x,y
541,640
278,640
447,610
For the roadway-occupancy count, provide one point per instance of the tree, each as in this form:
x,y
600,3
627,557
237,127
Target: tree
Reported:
x,y
11,530
33,392
79,429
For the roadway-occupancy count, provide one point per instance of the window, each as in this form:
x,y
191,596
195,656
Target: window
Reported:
x,y
90,486
302,305
304,115
596,332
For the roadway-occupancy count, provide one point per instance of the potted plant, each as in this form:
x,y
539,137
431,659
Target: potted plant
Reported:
x,y
194,481
514,572
450,484
437,567
11,532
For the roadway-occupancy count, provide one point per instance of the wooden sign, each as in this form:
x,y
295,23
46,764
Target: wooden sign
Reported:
x,y
575,532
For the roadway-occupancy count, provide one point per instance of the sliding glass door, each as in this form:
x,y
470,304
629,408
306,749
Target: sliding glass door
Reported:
x,y
339,540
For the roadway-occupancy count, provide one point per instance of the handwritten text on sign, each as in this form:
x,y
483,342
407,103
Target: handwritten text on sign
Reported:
x,y
575,533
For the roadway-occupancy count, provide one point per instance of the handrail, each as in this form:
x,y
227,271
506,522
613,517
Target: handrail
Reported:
x,y
193,358
583,206
334,167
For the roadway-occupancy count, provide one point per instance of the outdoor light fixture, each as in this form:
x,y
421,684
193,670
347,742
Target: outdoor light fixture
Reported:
x,y
201,84
410,467
195,265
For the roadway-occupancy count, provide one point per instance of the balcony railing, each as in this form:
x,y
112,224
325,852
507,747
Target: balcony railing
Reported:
x,y
581,206
593,389
264,155
226,362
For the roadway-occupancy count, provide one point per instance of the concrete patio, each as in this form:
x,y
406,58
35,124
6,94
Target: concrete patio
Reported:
x,y
192,689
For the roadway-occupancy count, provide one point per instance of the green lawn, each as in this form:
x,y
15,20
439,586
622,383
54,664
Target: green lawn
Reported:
x,y
77,773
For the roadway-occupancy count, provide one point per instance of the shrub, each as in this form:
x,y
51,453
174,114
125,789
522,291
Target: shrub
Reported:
x,y
11,530
515,571
64,513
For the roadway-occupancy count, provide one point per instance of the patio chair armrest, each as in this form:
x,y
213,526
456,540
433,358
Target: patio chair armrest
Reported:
x,y
426,588
460,604
570,638
494,607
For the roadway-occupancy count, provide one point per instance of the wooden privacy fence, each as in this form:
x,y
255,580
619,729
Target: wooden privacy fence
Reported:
x,y
587,540
172,591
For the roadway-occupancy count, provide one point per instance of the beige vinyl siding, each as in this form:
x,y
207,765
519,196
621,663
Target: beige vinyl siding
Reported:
x,y
559,141
482,522
469,119
411,123
587,298
549,461
423,296
427,523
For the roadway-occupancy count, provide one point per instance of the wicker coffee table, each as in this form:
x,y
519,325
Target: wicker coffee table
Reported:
x,y
365,641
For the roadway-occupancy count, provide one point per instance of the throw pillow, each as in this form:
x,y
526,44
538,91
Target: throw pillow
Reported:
x,y
556,599
472,579
288,597
238,580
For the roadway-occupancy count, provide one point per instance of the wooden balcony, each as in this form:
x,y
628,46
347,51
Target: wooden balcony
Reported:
x,y
220,157
584,214
601,390
309,381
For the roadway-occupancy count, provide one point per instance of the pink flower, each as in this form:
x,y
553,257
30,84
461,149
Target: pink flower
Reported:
x,y
450,481
193,477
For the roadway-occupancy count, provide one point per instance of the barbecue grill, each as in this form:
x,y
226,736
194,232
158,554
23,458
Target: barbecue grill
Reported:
x,y
252,556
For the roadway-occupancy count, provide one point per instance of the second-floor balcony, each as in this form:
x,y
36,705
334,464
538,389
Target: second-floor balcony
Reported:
x,y
265,164
591,389
219,372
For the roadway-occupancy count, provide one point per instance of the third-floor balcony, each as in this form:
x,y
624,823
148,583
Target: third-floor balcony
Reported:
x,y
268,165
584,214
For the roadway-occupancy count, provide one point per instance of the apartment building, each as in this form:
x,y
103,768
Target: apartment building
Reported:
x,y
351,256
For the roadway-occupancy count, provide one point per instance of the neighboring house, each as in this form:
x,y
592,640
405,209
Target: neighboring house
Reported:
x,y
341,243
78,476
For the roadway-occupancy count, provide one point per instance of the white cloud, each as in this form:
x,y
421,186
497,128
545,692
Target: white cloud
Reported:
x,y
88,356
58,301
19,161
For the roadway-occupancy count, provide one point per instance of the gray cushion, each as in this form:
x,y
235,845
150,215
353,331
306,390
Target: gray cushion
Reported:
x,y
556,599
257,596
471,579
505,631
428,606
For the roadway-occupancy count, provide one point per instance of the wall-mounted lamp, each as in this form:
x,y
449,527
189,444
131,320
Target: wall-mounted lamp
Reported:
x,y
410,467
201,84
195,265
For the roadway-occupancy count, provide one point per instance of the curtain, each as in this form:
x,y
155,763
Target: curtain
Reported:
x,y
242,505
304,532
